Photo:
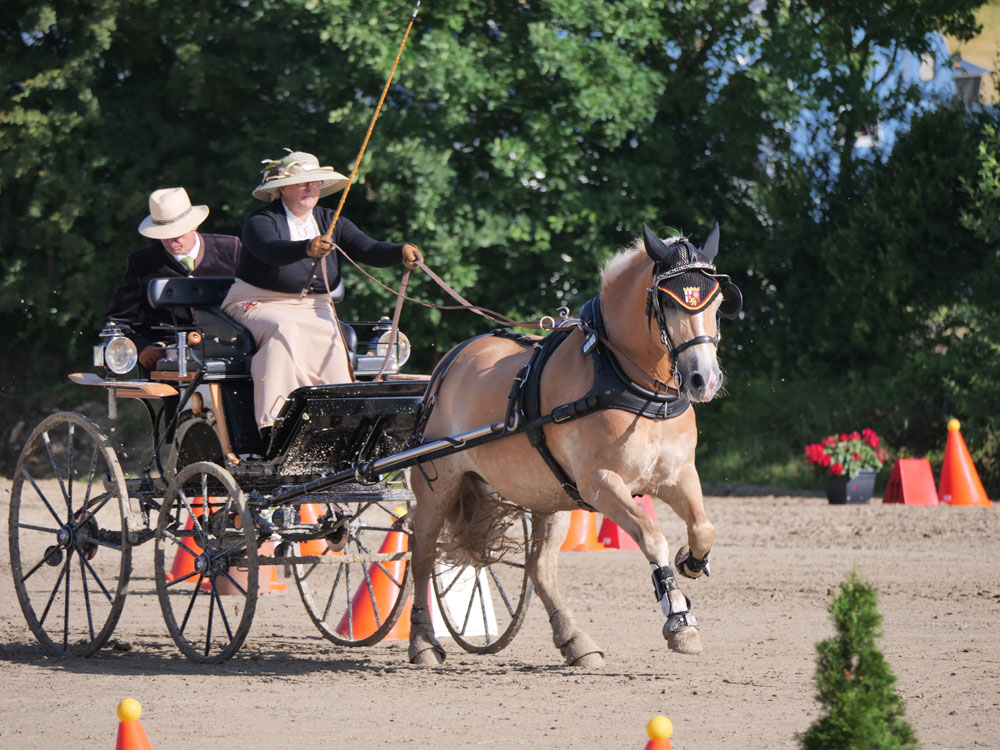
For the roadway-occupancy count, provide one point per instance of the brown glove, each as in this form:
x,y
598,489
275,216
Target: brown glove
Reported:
x,y
319,247
412,256
149,356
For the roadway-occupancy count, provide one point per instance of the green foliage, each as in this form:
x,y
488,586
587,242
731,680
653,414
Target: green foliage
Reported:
x,y
854,682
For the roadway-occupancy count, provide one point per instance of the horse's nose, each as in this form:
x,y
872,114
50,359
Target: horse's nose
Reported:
x,y
704,383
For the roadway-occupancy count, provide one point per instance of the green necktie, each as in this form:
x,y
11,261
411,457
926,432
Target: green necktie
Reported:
x,y
188,262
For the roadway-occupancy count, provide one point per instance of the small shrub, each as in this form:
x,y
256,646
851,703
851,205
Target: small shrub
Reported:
x,y
855,684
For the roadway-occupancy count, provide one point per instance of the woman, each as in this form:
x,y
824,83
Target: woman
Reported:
x,y
298,338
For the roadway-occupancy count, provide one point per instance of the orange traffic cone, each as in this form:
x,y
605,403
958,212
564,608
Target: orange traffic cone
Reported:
x,y
310,513
267,577
960,483
612,536
184,560
659,730
385,593
131,735
911,483
582,534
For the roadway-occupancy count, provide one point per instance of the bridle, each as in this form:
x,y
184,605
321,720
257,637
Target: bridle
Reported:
x,y
710,284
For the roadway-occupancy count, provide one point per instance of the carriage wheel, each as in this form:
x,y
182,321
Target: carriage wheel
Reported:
x,y
206,563
359,587
484,606
70,560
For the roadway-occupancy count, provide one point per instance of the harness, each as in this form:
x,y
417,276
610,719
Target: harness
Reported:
x,y
612,389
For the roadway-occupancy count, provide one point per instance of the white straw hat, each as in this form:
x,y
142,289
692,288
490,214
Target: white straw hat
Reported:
x,y
295,168
171,214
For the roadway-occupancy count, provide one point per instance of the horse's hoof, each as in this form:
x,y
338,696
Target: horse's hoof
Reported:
x,y
426,651
683,560
684,641
429,657
582,651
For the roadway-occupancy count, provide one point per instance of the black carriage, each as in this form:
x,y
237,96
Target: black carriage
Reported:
x,y
324,499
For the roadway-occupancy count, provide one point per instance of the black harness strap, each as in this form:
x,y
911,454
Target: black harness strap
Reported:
x,y
531,407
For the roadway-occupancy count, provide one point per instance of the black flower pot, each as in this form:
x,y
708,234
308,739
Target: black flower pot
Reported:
x,y
851,491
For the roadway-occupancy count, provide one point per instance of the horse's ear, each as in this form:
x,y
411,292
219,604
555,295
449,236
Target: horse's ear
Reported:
x,y
655,247
711,246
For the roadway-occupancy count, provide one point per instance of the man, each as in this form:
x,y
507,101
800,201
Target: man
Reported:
x,y
180,251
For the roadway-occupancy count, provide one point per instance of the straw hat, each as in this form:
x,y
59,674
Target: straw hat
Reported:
x,y
171,214
297,167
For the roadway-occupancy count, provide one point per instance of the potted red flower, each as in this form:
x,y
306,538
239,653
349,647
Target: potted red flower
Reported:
x,y
849,463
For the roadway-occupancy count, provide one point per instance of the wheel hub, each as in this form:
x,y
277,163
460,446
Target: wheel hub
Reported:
x,y
64,536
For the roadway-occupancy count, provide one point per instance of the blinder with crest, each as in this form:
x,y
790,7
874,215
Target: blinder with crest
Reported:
x,y
686,279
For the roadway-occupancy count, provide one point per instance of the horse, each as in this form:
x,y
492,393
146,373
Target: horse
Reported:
x,y
611,453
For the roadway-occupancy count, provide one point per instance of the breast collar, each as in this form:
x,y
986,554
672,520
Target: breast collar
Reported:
x,y
612,387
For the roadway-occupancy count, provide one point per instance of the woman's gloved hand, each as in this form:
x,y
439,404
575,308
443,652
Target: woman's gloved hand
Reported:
x,y
319,247
412,256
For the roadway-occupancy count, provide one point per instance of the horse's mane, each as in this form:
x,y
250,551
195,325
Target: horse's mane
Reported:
x,y
618,263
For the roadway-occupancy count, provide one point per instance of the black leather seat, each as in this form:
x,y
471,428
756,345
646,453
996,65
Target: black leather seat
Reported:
x,y
227,345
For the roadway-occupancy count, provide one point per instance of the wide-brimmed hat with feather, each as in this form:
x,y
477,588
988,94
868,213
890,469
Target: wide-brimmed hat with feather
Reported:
x,y
294,168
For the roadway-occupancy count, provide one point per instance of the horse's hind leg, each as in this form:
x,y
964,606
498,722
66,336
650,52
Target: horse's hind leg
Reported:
x,y
428,520
548,532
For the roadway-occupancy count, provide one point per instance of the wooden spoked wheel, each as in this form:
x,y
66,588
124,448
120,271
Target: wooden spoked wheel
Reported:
x,y
483,606
356,584
69,555
206,563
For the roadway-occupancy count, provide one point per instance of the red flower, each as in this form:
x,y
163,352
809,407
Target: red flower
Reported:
x,y
844,437
824,461
836,469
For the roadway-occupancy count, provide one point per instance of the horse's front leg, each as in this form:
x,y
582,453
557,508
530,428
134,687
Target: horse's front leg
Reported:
x,y
613,499
686,500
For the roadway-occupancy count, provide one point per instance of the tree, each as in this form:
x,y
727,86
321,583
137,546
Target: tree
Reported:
x,y
854,682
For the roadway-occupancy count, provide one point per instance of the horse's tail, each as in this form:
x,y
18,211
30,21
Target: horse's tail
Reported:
x,y
477,526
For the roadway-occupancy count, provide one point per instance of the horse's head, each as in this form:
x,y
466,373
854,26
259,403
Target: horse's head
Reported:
x,y
686,298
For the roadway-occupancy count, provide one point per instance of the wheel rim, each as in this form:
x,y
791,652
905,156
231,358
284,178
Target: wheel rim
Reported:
x,y
69,558
484,606
356,596
206,563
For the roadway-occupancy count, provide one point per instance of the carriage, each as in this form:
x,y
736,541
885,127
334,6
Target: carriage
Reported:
x,y
591,415
324,499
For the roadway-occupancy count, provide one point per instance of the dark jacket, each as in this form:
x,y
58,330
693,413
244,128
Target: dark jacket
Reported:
x,y
271,260
129,307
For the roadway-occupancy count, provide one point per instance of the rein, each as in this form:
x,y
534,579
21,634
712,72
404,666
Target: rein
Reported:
x,y
545,323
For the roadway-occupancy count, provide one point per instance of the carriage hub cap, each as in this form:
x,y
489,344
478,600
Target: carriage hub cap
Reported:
x,y
64,536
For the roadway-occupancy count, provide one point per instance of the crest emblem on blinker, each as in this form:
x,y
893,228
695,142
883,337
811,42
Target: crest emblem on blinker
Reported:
x,y
692,296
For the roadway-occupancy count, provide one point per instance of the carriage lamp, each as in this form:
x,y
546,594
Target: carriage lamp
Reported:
x,y
118,353
401,349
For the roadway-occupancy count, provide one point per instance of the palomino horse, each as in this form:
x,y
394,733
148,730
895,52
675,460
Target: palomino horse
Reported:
x,y
610,453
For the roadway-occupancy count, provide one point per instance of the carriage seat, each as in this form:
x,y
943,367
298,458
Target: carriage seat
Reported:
x,y
227,346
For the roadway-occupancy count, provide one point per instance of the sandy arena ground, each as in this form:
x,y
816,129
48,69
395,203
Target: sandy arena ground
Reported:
x,y
776,563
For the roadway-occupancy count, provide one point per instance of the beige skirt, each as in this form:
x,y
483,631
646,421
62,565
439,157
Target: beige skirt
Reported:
x,y
298,343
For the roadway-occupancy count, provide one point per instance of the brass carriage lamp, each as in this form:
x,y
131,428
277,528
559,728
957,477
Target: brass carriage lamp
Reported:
x,y
117,353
